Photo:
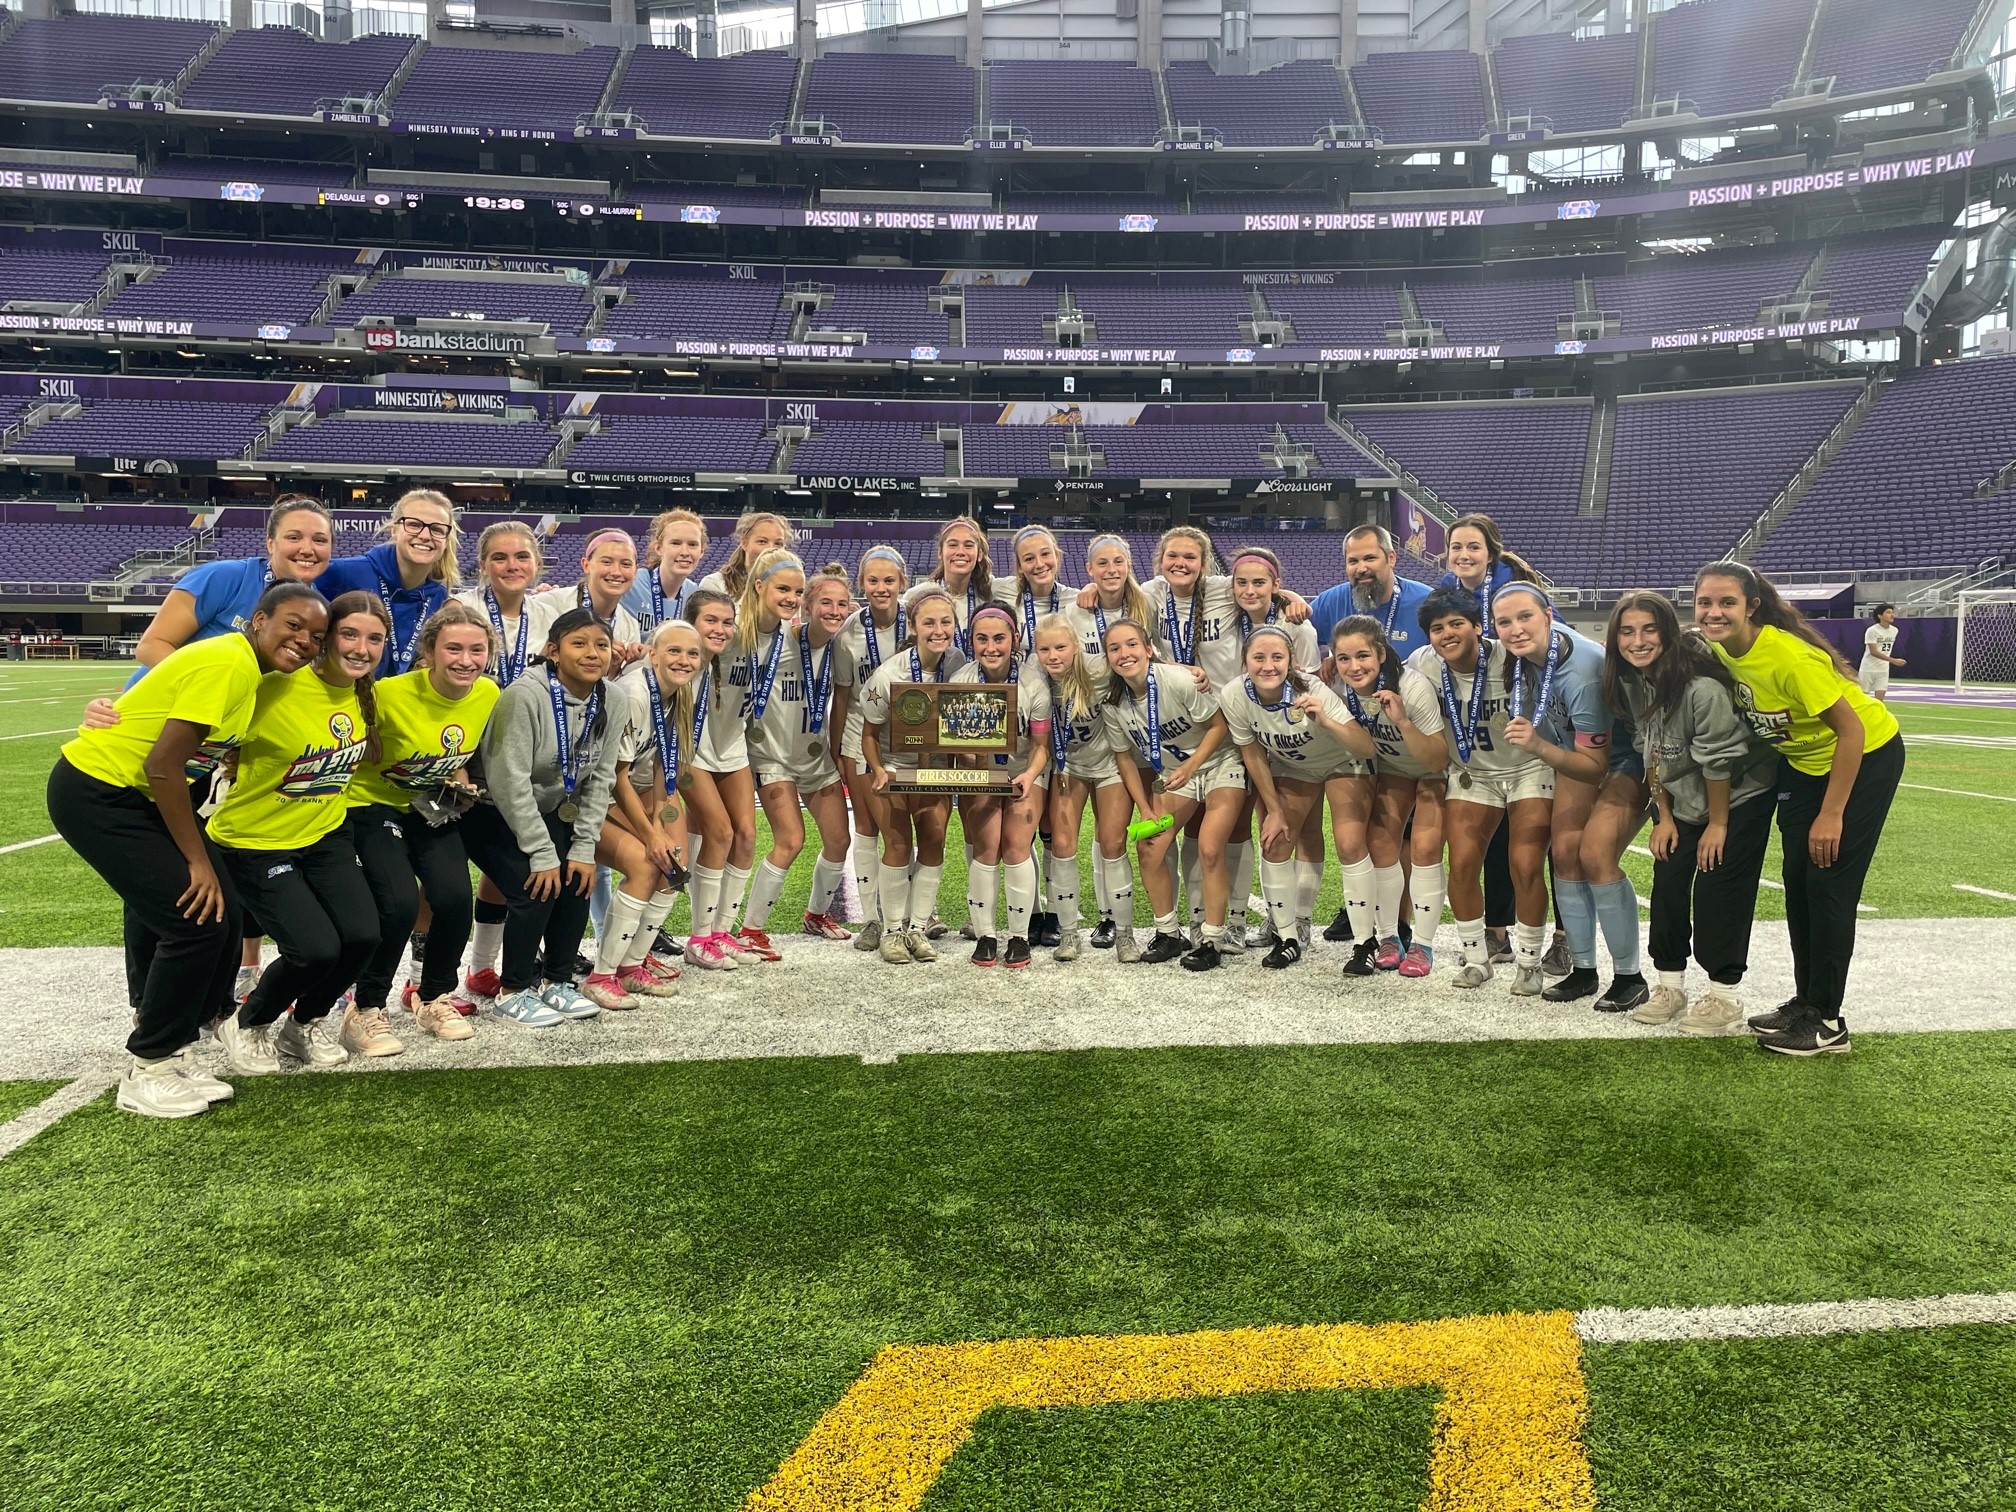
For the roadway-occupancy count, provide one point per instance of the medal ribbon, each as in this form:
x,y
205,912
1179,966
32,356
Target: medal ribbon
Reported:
x,y
917,668
668,741
818,691
569,776
759,689
1545,696
1154,746
1392,610
1351,702
510,663
868,635
1182,650
402,656
1246,622
1029,615
1465,735
658,615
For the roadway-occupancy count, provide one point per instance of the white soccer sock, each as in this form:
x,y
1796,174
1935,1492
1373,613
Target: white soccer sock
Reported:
x,y
1528,940
1428,887
895,896
655,910
934,891
1359,877
1470,935
1193,879
868,876
1239,867
486,944
826,877
1166,923
924,893
734,891
1064,893
763,894
619,931
1389,885
982,889
1101,888
1119,874
1021,896
1308,882
1039,857
1277,886
1674,979
703,889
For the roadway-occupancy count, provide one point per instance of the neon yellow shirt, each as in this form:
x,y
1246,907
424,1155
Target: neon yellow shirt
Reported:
x,y
306,740
209,682
1784,685
424,739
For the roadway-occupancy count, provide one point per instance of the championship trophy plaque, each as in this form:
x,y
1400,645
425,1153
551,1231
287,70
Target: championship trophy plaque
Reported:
x,y
959,735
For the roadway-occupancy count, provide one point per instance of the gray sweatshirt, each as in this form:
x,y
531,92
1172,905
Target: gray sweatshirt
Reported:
x,y
521,766
1703,738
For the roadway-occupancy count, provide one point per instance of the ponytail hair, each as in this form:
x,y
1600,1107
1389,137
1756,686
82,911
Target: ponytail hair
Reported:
x,y
564,626
735,574
1767,606
1517,568
1133,600
750,600
1036,532
682,696
982,581
1209,554
357,601
916,597
1390,665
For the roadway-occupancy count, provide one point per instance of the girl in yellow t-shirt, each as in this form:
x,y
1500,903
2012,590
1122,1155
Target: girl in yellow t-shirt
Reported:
x,y
120,795
1840,760
287,848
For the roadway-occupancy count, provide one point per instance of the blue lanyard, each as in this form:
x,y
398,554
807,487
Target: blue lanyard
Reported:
x,y
917,668
965,635
1286,689
658,599
668,742
818,691
868,635
402,656
1246,623
1392,610
1545,696
1465,735
513,662
568,775
1153,749
1029,615
1182,650
759,689
1351,702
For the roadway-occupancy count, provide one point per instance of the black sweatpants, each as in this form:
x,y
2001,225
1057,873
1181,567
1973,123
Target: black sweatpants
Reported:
x,y
187,967
1717,907
319,911
557,924
1500,901
1820,900
402,854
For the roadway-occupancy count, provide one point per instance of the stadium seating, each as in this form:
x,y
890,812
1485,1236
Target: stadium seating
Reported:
x,y
1577,83
1902,490
1145,315
1341,312
74,57
1877,44
668,301
1282,107
1704,289
277,70
855,447
680,95
151,428
763,196
243,289
1729,56
655,443
1151,451
1497,308
1076,104
1006,314
415,443
1879,272
1423,96
80,551
562,306
50,276
892,97
888,305
527,91
257,170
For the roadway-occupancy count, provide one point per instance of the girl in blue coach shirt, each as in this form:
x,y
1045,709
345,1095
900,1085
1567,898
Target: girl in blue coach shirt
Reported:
x,y
412,573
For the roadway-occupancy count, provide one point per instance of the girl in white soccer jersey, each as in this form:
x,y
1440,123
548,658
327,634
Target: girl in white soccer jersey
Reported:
x,y
916,821
1490,780
1297,744
722,804
1878,642
1398,708
508,564
1034,592
756,532
1003,828
1177,765
960,566
1081,758
608,570
872,633
673,549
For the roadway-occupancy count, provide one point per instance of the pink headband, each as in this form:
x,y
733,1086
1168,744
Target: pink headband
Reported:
x,y
991,609
604,535
1254,556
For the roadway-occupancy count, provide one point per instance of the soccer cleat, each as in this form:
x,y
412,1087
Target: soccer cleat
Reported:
x,y
706,953
756,944
417,943
483,983
1559,960
1303,933
1364,958
208,1087
441,1018
1528,981
732,947
605,990
1233,941
666,944
1810,1036
1338,930
984,952
1717,1012
966,931
1204,958
870,937
1016,955
527,1009
1126,949
367,1032
1784,1016
1418,962
1103,934
247,979
1044,929
934,927
248,1049
1391,953
1164,947
582,965
1498,944
1626,991
650,977
825,927
918,943
1661,1006
1068,946
157,1089
1286,952
894,951
1575,985
313,1042
1473,974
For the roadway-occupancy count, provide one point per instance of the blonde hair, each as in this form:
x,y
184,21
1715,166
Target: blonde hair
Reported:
x,y
882,554
735,574
1209,553
654,537
1072,691
680,715
749,602
917,597
1133,598
982,580
455,612
1022,578
501,528
447,568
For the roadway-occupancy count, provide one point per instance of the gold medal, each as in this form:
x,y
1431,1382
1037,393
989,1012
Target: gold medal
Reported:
x,y
1159,785
667,811
816,749
755,734
686,782
568,811
1463,778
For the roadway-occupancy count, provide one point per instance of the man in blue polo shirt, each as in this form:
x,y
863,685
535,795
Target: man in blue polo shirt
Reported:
x,y
1370,587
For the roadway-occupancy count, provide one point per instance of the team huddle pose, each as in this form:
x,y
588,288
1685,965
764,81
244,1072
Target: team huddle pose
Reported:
x,y
315,751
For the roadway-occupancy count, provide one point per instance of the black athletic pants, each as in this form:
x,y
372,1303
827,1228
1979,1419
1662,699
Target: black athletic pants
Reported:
x,y
402,853
1500,902
188,966
1717,906
557,923
1820,900
319,911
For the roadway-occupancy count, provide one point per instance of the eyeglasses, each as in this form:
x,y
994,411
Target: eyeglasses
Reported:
x,y
424,527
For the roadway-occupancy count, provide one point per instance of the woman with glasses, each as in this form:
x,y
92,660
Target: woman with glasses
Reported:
x,y
412,573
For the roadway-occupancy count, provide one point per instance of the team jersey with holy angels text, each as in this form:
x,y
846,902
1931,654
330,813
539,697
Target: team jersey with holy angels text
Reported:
x,y
1294,742
1424,708
1183,710
1492,753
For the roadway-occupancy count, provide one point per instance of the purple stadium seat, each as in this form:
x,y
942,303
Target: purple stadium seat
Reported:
x,y
1423,96
51,275
416,443
1076,104
680,95
246,288
644,443
562,306
668,301
1704,289
73,57
892,97
1728,56
1282,107
277,70
855,447
151,428
1579,83
470,86
1878,44
1878,272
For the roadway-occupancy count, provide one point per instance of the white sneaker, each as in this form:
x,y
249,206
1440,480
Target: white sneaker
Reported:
x,y
1528,981
440,1018
247,1051
206,1085
565,999
157,1089
1472,974
1665,1005
248,978
368,1032
314,1043
1713,1013
1233,941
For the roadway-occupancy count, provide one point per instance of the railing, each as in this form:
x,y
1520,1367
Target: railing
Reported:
x,y
1809,471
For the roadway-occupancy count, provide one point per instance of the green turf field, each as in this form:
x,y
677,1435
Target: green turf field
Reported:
x,y
1965,834
18,1096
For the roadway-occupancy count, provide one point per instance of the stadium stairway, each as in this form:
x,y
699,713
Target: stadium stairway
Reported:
x,y
1752,540
1417,490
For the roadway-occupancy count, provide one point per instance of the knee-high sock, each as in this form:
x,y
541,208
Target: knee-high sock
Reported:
x,y
895,893
655,909
763,893
934,891
1308,882
868,876
1064,892
1359,877
1039,857
1389,884
1428,889
1021,896
1193,881
1576,906
486,941
982,889
612,945
924,893
1617,913
1527,940
1239,864
1171,868
1277,886
703,888
734,889
1100,890
826,877
1119,872
1470,936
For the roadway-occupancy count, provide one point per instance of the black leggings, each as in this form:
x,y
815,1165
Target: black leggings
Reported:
x,y
1820,900
184,969
402,853
319,911
1717,907
1500,902
557,923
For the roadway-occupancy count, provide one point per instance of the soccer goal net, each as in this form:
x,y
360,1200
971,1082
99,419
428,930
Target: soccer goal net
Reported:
x,y
1985,649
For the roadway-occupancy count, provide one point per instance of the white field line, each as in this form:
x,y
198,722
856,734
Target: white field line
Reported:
x,y
21,845
1637,1325
1639,850
1957,792
1970,742
42,734
1986,892
67,1099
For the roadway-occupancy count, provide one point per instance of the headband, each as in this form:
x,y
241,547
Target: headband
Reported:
x,y
1275,630
885,554
609,533
1520,585
925,591
785,562
1253,556
1028,530
985,610
1109,540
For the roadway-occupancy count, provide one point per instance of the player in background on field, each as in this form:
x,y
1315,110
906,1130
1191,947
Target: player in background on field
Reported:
x,y
1878,642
